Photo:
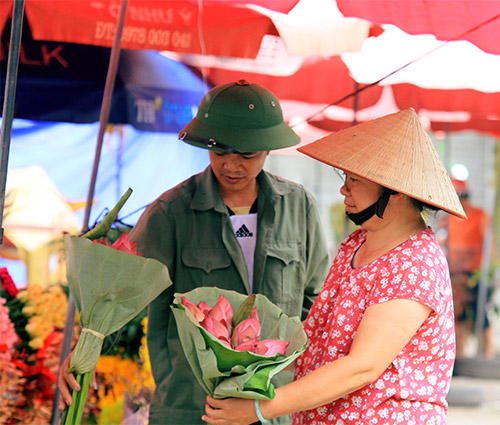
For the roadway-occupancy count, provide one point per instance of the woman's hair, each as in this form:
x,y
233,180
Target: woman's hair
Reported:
x,y
421,206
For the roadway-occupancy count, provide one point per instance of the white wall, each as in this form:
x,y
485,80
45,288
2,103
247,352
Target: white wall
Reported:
x,y
472,149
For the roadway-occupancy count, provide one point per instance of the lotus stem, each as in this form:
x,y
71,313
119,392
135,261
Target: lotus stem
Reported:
x,y
74,413
82,396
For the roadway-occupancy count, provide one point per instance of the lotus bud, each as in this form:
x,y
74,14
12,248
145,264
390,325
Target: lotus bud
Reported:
x,y
195,311
247,329
270,347
123,244
217,329
102,241
247,345
223,312
204,307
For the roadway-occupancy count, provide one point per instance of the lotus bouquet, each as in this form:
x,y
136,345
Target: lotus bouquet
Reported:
x,y
110,286
235,344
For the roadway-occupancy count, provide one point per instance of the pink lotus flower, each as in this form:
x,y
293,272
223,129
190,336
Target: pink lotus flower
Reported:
x,y
270,347
217,329
247,329
247,345
245,336
204,307
195,311
222,312
102,241
121,244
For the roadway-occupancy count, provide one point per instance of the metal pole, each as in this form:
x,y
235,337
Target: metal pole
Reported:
x,y
103,121
484,283
106,104
355,104
485,277
447,161
9,100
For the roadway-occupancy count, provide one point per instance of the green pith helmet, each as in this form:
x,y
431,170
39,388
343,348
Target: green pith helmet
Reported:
x,y
239,117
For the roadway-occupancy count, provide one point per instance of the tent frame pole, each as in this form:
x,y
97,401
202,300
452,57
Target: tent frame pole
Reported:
x,y
103,122
10,100
106,106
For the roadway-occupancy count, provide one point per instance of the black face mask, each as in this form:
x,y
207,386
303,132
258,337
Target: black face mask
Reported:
x,y
377,208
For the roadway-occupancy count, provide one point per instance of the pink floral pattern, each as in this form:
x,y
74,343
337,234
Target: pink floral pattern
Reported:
x,y
413,389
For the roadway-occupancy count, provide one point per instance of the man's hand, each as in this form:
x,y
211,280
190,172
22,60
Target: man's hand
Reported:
x,y
66,381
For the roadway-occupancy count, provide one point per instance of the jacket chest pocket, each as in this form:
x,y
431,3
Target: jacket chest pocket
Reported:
x,y
282,278
205,260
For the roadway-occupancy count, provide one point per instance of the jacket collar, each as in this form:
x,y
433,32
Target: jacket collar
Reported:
x,y
207,195
272,185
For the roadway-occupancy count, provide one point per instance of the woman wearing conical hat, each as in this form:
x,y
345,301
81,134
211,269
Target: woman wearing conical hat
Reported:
x,y
381,332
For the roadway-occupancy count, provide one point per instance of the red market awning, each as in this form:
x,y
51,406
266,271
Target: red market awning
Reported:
x,y
212,27
319,82
477,21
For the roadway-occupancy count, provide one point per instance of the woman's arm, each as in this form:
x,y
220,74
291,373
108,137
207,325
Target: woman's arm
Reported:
x,y
383,332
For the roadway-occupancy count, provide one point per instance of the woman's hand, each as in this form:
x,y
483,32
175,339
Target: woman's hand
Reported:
x,y
230,411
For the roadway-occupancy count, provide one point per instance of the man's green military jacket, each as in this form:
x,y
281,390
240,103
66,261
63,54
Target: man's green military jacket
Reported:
x,y
189,230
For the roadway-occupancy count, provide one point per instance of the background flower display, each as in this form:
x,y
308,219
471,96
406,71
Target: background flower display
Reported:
x,y
31,323
125,381
223,371
31,332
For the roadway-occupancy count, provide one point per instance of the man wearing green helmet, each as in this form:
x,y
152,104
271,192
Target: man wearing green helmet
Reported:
x,y
233,226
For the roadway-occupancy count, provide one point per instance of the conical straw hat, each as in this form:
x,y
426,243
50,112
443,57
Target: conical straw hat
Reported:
x,y
394,151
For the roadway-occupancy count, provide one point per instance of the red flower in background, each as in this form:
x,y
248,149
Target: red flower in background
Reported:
x,y
7,282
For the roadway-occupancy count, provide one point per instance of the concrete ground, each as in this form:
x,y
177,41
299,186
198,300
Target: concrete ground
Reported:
x,y
474,401
474,397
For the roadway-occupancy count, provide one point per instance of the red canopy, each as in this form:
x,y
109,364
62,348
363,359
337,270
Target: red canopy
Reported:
x,y
212,27
446,19
440,110
320,82
317,81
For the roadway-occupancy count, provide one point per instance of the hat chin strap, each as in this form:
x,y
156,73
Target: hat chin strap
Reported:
x,y
377,208
209,143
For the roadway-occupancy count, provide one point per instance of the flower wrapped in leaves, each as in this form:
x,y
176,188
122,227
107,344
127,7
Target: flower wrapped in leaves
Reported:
x,y
109,287
221,370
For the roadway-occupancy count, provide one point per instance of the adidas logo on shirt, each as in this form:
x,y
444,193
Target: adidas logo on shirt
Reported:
x,y
243,232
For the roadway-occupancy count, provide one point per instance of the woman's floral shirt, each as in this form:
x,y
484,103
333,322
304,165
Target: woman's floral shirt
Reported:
x,y
413,389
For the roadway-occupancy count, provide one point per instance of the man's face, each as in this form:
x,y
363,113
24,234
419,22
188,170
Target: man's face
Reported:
x,y
237,172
